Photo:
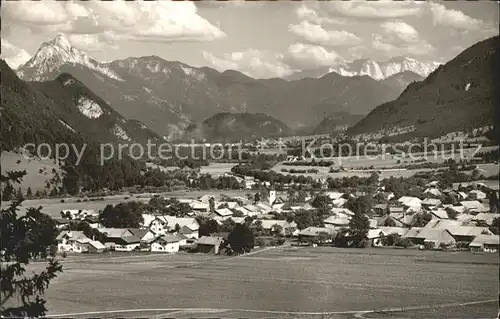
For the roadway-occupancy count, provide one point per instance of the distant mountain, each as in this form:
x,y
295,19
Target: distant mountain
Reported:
x,y
61,107
169,96
403,79
460,95
236,127
13,55
336,123
375,70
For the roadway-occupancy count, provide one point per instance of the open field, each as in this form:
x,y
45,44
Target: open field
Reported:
x,y
35,179
488,170
389,160
217,168
278,283
53,206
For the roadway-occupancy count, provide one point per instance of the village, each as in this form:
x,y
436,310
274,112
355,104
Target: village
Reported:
x,y
319,218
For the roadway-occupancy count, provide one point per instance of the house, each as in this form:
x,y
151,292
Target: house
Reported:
x,y
391,221
474,206
315,233
61,222
375,236
344,211
334,195
380,209
433,184
264,208
165,224
209,244
457,229
128,243
433,237
223,213
439,213
339,202
486,243
337,220
433,191
189,231
485,217
93,221
206,198
72,241
429,202
166,244
393,230
144,234
410,201
477,195
201,207
272,225
95,247
114,233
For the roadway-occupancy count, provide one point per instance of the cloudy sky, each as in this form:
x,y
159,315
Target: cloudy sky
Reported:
x,y
263,39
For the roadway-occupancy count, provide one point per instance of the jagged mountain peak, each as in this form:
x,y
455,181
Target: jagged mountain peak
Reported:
x,y
378,70
54,54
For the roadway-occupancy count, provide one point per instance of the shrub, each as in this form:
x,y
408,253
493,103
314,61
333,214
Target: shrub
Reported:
x,y
462,245
280,241
403,242
62,201
260,242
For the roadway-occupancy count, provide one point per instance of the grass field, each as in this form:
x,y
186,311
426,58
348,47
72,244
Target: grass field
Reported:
x,y
34,178
53,207
217,168
279,283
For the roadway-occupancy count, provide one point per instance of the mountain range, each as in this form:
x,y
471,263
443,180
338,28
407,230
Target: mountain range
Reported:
x,y
169,96
460,95
375,70
49,111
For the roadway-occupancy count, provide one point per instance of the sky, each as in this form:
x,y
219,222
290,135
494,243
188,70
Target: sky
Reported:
x,y
260,39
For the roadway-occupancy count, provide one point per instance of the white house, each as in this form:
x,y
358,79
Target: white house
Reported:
x,y
166,244
129,243
72,241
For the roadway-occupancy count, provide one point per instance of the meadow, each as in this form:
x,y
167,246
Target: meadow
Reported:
x,y
305,282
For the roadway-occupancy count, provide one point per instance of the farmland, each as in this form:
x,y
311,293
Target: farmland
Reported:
x,y
38,171
279,282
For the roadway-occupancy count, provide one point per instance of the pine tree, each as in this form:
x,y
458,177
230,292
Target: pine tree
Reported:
x,y
24,239
8,192
19,194
29,192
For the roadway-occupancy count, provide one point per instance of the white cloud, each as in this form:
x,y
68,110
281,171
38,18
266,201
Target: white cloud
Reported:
x,y
13,55
265,64
375,9
92,42
317,34
254,63
453,18
383,45
306,56
308,14
35,12
164,21
401,30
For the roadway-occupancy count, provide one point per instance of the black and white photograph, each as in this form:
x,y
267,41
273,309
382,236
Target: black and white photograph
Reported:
x,y
250,159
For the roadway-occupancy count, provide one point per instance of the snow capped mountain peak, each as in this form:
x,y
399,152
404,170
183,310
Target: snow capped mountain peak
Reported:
x,y
55,53
61,41
13,55
383,70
